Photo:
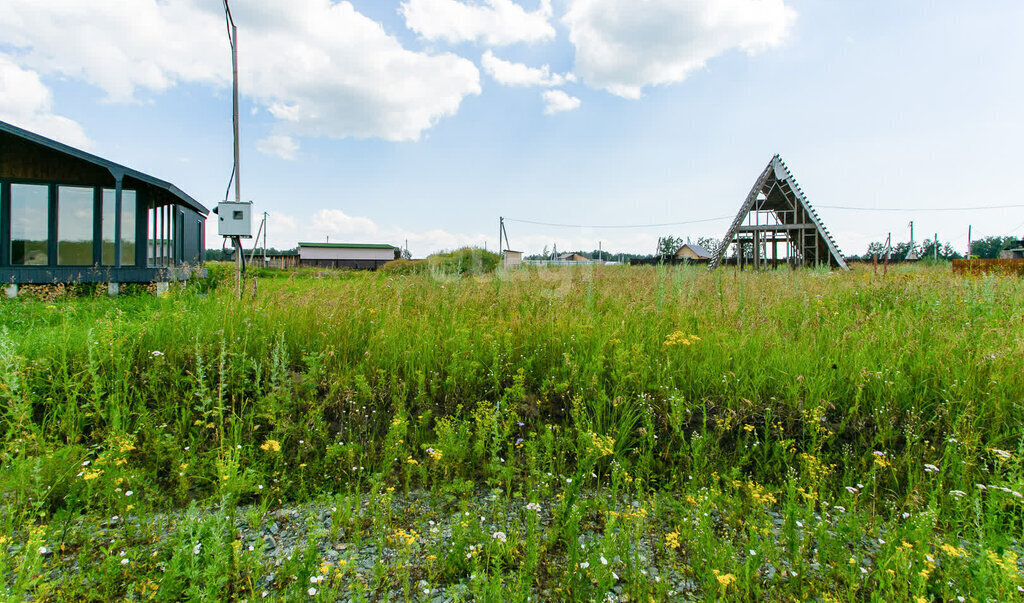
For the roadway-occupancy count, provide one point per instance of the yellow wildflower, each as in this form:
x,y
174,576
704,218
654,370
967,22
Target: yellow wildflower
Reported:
x,y
271,446
724,579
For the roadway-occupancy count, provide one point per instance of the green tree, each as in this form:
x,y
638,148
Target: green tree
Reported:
x,y
669,245
989,247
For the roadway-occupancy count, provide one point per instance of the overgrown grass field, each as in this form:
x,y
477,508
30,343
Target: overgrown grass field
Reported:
x,y
615,433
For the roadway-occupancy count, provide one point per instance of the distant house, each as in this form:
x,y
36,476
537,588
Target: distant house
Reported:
x,y
693,252
1015,252
573,257
358,256
512,259
67,216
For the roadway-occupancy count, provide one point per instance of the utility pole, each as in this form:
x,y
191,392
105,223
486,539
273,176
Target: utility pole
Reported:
x,y
968,256
911,255
237,167
936,241
599,250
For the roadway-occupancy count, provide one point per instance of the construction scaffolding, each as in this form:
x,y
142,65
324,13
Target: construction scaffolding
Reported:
x,y
776,211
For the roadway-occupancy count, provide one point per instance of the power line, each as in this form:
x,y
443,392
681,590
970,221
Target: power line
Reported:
x,y
618,225
921,208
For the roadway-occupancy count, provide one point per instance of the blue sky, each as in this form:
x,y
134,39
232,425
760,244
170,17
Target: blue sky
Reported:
x,y
426,120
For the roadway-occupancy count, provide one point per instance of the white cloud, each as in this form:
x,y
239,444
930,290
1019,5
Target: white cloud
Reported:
x,y
26,102
337,223
624,45
557,101
494,22
319,66
284,147
518,74
341,227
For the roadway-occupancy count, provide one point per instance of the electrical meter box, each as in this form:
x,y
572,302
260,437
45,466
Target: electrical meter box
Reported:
x,y
234,219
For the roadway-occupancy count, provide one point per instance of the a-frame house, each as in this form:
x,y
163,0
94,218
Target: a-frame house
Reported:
x,y
777,212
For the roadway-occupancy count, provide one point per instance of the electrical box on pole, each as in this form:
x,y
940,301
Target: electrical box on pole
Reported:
x,y
234,219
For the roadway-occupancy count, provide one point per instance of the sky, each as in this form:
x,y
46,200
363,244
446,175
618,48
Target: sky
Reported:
x,y
421,122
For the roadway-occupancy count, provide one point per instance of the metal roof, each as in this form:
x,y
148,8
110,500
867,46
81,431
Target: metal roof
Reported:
x,y
349,245
115,169
696,248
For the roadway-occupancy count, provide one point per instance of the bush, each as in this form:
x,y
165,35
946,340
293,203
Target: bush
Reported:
x,y
465,260
405,267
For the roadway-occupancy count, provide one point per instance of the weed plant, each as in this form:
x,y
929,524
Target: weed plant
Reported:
x,y
572,433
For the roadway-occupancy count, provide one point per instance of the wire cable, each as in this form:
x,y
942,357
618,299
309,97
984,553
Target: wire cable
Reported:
x,y
618,225
921,208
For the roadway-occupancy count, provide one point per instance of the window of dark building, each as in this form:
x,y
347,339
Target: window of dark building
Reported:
x,y
30,217
74,225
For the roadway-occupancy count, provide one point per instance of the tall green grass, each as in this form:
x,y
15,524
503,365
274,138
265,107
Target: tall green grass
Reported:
x,y
730,406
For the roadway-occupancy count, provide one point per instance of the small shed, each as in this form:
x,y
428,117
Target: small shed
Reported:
x,y
357,256
512,259
67,216
693,252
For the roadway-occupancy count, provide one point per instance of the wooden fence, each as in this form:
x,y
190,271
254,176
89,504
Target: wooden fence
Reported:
x,y
274,261
981,267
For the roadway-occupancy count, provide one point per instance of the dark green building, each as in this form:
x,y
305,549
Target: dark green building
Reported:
x,y
67,216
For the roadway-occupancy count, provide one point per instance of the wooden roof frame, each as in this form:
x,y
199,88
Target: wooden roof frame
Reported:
x,y
777,190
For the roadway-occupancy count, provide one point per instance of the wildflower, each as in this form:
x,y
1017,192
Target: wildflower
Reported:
x,y
852,490
500,536
584,565
271,446
129,493
603,560
931,468
672,540
958,493
724,579
533,507
156,353
311,591
197,548
124,561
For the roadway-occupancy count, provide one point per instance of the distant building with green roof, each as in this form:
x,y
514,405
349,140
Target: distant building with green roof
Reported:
x,y
357,256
